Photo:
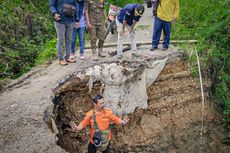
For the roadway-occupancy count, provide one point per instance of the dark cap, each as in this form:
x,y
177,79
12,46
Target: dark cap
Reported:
x,y
97,97
139,9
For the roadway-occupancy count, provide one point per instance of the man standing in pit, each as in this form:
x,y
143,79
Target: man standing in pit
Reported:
x,y
99,120
95,15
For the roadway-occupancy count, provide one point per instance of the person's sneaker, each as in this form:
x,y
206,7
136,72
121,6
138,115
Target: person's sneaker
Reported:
x,y
135,55
62,62
72,55
101,53
119,56
95,55
164,49
152,49
81,56
70,60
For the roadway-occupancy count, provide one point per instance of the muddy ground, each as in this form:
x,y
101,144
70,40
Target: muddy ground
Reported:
x,y
171,123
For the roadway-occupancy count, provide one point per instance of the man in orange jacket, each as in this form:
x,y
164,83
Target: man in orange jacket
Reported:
x,y
99,120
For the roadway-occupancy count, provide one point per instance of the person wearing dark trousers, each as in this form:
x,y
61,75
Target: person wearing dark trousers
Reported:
x,y
65,14
93,149
167,13
99,119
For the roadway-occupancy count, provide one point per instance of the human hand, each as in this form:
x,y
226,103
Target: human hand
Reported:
x,y
57,17
132,31
125,120
173,21
73,126
122,32
77,25
89,26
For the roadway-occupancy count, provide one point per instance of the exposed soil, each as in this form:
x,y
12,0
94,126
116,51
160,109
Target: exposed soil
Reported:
x,y
171,123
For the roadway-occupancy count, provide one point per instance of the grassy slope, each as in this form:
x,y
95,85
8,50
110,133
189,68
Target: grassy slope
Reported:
x,y
209,22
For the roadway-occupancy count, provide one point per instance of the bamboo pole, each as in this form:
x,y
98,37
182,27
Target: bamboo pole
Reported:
x,y
148,43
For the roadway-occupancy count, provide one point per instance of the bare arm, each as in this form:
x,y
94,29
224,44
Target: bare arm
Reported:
x,y
133,25
117,120
82,124
87,15
124,121
76,128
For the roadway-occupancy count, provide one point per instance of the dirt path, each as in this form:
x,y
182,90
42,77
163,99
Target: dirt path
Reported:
x,y
22,128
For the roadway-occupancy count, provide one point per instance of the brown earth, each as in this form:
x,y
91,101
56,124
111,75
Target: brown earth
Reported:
x,y
171,123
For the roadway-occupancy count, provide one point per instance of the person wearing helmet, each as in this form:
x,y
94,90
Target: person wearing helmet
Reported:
x,y
128,16
99,120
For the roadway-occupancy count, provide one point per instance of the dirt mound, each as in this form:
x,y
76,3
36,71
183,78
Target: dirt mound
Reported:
x,y
170,123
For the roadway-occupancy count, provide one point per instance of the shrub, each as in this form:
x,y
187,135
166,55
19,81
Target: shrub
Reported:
x,y
25,26
209,22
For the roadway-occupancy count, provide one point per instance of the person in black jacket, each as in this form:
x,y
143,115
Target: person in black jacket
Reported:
x,y
64,23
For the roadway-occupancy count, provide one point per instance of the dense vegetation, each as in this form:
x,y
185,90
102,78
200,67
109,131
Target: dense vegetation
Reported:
x,y
208,21
25,27
27,37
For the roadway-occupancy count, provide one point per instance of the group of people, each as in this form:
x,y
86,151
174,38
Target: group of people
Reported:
x,y
90,15
74,17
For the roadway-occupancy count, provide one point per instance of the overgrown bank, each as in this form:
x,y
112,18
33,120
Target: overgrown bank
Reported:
x,y
209,22
25,27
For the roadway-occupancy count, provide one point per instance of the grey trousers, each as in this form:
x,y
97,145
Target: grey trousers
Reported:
x,y
64,33
121,38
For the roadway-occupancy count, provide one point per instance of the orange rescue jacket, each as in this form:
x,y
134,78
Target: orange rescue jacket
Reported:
x,y
103,120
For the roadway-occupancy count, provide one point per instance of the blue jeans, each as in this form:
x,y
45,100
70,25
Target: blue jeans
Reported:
x,y
64,33
81,35
158,26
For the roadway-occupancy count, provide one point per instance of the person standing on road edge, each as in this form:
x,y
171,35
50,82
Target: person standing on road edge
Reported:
x,y
99,120
128,16
79,29
65,14
167,13
95,16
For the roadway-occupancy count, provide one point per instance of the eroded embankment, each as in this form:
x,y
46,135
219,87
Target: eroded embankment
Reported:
x,y
171,122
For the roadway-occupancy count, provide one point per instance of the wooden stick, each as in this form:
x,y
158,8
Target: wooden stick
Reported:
x,y
148,43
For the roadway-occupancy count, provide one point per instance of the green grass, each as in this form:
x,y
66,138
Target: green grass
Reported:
x,y
25,27
208,21
48,54
143,27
